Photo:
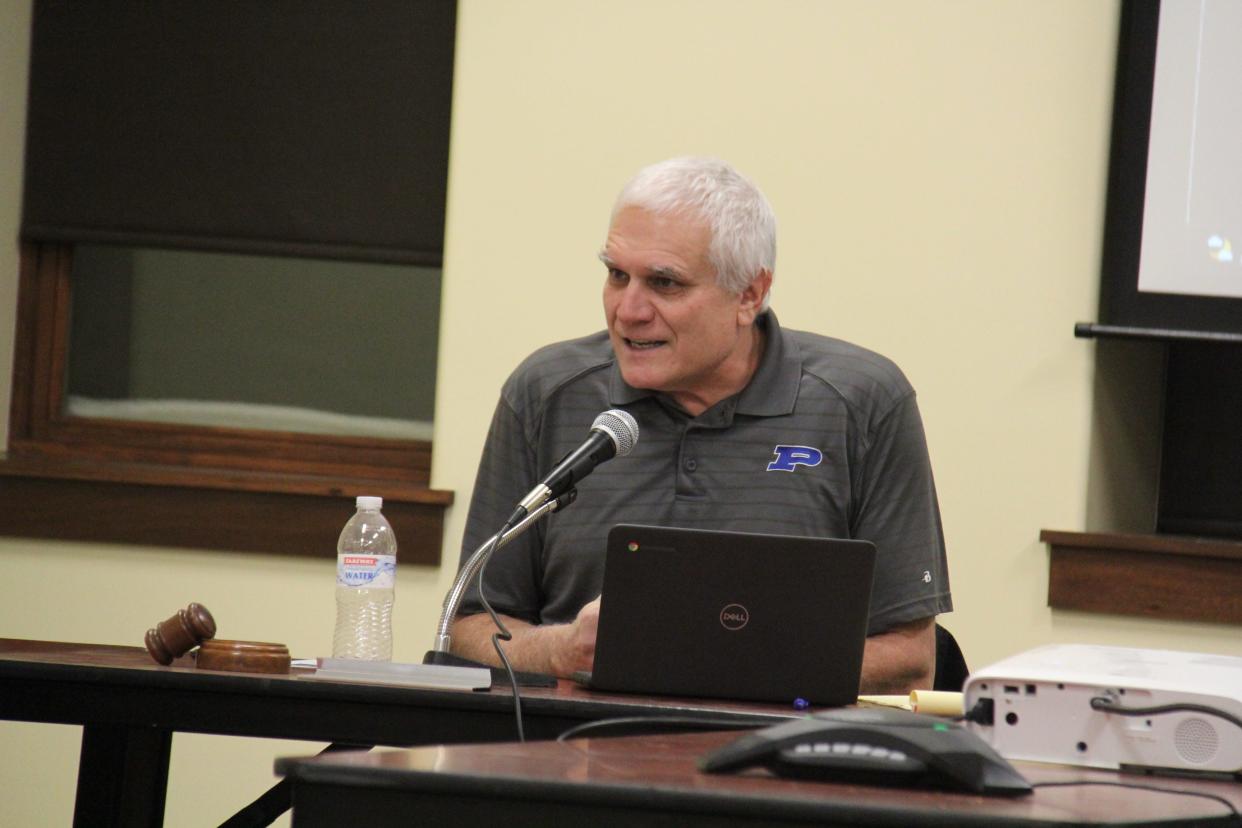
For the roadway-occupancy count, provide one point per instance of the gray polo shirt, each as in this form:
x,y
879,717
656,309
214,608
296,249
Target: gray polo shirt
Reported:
x,y
825,441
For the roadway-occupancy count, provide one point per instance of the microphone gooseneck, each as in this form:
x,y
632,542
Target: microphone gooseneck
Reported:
x,y
452,600
613,434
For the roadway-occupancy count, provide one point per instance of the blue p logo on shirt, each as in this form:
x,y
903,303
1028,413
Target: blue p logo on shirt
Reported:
x,y
789,458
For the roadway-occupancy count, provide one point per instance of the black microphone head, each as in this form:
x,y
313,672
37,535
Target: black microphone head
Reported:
x,y
621,428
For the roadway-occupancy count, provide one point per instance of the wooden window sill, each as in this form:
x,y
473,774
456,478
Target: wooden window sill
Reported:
x,y
1169,577
203,508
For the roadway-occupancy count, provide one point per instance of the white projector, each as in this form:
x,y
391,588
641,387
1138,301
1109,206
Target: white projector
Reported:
x,y
1114,707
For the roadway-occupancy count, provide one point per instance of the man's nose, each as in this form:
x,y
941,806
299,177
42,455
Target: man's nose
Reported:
x,y
634,305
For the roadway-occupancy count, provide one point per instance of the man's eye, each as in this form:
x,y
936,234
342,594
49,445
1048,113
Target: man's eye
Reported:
x,y
662,282
615,275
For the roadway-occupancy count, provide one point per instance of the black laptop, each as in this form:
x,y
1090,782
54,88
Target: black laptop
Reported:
x,y
775,618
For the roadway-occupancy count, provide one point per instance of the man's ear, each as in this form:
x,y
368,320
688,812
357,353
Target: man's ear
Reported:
x,y
750,302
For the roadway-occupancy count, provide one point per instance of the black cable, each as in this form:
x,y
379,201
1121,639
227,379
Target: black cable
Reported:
x,y
982,713
502,634
664,722
1174,791
1109,705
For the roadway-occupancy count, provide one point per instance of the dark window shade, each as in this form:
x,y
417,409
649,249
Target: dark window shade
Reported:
x,y
314,129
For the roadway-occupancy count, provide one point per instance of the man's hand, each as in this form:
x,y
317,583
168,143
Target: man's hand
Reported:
x,y
900,659
559,649
577,650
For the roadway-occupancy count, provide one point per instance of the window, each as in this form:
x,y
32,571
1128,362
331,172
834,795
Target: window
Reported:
x,y
272,343
169,159
85,478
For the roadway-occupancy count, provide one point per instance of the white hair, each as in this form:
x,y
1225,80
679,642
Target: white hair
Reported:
x,y
741,221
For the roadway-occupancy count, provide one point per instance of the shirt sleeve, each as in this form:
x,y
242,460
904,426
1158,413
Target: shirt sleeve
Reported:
x,y
898,511
510,578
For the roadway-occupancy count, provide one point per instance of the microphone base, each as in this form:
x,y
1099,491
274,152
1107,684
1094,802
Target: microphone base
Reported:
x,y
499,675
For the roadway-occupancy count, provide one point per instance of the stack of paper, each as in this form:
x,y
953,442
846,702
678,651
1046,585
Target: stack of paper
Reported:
x,y
429,676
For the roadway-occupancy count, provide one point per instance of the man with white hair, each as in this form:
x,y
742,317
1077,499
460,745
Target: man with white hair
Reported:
x,y
745,426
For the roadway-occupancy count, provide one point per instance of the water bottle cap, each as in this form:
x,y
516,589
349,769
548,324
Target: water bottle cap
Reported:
x,y
369,503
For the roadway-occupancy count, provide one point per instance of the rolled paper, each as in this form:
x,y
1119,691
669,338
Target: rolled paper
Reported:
x,y
937,702
886,701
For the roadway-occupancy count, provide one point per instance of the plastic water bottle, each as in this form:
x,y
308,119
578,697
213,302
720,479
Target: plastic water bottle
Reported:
x,y
366,569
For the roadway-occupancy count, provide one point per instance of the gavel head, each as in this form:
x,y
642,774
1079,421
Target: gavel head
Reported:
x,y
180,633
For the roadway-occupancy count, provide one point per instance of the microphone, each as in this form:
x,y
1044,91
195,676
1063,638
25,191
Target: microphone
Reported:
x,y
613,434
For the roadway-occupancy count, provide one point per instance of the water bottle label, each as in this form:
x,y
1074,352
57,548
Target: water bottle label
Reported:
x,y
376,571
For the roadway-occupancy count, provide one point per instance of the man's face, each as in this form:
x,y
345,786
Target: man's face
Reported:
x,y
672,327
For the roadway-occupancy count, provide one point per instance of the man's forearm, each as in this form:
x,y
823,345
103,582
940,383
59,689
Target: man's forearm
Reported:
x,y
531,650
900,660
559,649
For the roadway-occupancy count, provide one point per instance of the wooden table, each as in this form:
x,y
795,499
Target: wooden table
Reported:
x,y
130,707
654,780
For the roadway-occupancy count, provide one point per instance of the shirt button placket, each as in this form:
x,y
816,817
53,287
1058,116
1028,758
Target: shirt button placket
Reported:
x,y
688,463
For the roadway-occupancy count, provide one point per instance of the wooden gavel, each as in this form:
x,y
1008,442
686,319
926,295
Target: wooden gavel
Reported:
x,y
177,635
194,627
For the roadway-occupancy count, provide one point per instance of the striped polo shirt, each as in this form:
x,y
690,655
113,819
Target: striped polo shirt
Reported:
x,y
825,441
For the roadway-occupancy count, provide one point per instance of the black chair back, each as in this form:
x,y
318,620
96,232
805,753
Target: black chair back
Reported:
x,y
951,669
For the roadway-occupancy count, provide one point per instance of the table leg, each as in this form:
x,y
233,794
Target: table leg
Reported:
x,y
271,805
122,776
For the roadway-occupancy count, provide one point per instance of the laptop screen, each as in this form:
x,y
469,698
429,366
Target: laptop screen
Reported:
x,y
693,612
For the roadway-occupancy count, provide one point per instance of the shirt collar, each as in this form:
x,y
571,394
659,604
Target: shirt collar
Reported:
x,y
771,392
621,392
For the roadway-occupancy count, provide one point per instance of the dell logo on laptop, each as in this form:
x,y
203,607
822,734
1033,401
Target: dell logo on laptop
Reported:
x,y
734,617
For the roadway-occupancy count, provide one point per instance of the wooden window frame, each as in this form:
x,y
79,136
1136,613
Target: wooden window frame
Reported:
x,y
81,478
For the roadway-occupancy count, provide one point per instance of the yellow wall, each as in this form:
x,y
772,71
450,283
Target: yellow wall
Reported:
x,y
938,171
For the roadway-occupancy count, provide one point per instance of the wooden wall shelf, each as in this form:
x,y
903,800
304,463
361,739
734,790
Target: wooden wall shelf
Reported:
x,y
227,510
1168,577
